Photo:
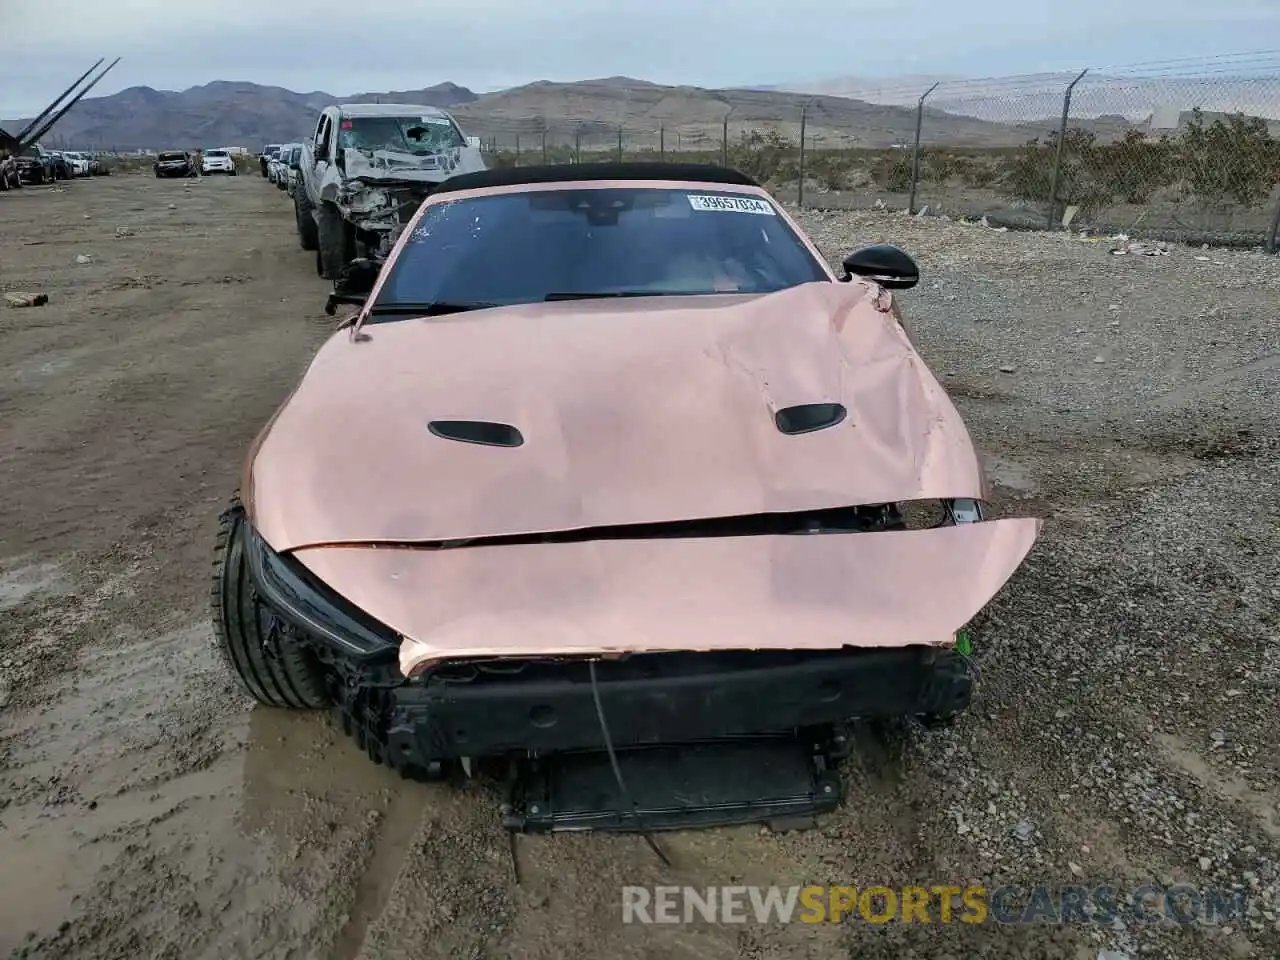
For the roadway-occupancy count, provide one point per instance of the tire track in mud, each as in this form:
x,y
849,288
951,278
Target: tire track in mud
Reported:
x,y
373,890
1262,805
1217,381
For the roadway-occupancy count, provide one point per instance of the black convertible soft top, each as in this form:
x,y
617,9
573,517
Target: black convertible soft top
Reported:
x,y
569,173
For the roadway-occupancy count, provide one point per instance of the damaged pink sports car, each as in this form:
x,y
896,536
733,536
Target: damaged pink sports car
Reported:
x,y
610,478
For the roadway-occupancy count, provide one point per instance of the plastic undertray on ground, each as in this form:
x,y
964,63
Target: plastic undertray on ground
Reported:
x,y
784,781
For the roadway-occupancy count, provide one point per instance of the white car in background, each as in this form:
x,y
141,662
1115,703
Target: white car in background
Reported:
x,y
290,174
217,160
279,170
80,164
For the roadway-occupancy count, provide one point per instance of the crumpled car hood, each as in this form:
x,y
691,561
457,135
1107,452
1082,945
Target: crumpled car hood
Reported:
x,y
394,165
632,411
823,591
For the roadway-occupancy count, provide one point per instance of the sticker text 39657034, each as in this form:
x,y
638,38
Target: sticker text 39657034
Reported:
x,y
731,204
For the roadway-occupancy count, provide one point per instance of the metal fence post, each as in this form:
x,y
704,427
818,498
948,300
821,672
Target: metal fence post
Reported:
x,y
619,144
915,150
517,163
662,143
804,116
1270,243
577,145
724,139
1062,139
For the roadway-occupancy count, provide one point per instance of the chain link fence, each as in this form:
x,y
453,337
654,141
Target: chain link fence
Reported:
x,y
1185,151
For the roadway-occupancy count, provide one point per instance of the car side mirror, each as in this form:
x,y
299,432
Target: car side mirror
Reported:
x,y
882,263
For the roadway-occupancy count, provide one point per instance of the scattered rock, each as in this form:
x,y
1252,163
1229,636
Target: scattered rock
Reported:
x,y
83,258
26,299
1025,830
1008,368
1123,245
124,232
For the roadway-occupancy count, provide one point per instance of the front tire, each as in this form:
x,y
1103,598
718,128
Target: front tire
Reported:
x,y
307,234
336,242
267,662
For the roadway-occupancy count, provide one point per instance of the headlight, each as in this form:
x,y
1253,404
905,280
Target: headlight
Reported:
x,y
300,596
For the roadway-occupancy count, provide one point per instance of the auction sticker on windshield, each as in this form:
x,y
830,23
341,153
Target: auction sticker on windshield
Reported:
x,y
731,204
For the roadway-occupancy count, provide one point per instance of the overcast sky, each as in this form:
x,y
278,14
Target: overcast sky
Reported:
x,y
358,46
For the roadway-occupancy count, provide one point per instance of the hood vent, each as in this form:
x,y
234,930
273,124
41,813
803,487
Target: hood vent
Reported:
x,y
808,417
477,431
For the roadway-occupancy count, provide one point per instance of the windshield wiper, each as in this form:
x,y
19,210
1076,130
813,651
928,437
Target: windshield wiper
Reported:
x,y
437,308
598,295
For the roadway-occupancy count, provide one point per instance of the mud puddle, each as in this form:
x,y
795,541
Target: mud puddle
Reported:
x,y
146,794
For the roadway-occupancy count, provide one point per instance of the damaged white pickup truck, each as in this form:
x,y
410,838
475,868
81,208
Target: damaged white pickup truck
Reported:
x,y
365,173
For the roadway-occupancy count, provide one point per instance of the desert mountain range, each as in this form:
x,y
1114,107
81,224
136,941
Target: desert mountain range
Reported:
x,y
844,112
229,113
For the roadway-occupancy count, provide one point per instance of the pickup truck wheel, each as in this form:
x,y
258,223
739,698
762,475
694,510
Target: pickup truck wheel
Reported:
x,y
336,241
302,212
268,662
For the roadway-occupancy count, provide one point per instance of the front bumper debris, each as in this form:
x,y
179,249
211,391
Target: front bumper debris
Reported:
x,y
785,781
653,699
700,738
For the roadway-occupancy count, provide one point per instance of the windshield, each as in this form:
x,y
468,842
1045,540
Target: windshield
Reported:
x,y
215,153
530,247
172,155
420,136
295,155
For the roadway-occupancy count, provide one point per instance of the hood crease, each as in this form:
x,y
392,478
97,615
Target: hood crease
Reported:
x,y
635,411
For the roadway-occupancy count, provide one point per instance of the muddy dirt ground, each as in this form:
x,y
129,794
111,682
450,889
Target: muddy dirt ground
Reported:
x,y
1125,732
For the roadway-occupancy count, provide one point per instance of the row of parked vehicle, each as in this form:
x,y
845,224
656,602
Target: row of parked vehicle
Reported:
x,y
278,162
36,165
363,172
182,163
